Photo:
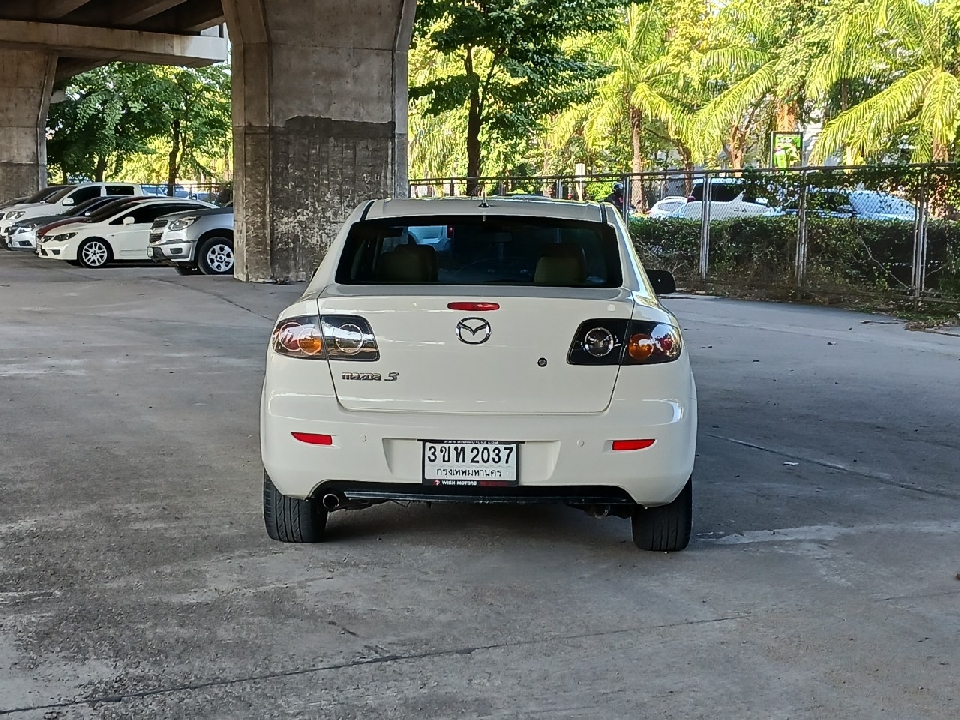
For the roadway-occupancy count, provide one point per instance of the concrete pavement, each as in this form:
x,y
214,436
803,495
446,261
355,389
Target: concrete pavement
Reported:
x,y
136,580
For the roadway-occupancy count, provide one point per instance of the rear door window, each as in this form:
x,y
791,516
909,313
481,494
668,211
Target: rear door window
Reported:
x,y
120,190
481,251
719,191
149,213
85,193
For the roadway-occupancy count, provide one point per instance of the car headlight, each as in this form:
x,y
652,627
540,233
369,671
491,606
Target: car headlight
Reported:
x,y
63,237
181,223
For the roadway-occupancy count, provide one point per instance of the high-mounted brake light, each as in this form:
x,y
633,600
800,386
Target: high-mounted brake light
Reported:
x,y
473,306
619,445
313,438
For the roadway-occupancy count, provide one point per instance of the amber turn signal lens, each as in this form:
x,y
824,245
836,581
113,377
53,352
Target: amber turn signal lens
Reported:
x,y
310,344
641,346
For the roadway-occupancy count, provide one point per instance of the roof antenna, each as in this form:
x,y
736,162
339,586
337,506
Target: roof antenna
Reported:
x,y
483,196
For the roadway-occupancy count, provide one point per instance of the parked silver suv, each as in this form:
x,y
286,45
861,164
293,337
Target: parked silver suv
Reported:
x,y
194,241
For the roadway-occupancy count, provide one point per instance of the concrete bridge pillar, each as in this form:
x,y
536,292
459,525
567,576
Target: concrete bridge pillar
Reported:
x,y
319,123
26,80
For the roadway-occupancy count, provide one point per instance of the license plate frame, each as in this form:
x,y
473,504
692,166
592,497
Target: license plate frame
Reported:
x,y
484,476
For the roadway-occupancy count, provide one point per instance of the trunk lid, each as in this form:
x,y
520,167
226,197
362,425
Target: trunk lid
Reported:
x,y
519,366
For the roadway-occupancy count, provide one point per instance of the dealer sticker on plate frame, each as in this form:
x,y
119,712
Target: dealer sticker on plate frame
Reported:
x,y
471,463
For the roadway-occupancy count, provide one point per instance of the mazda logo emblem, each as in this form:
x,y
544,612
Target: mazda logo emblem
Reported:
x,y
473,331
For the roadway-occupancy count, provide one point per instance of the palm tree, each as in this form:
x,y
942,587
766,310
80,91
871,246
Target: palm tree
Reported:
x,y
909,51
637,91
757,55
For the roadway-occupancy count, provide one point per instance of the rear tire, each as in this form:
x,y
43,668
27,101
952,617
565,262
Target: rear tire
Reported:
x,y
290,519
665,528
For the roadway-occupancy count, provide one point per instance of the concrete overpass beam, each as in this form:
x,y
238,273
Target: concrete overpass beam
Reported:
x,y
320,123
26,79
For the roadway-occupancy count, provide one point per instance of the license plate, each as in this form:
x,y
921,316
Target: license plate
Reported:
x,y
470,463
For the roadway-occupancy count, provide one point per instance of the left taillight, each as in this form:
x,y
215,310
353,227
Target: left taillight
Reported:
x,y
299,337
333,337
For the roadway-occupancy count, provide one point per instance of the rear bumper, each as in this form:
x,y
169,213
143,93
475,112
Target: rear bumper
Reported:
x,y
563,458
581,495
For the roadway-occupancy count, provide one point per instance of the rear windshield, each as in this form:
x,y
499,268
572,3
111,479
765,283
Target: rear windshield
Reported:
x,y
481,251
43,194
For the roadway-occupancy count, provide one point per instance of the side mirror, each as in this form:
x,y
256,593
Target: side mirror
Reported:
x,y
663,282
128,220
67,201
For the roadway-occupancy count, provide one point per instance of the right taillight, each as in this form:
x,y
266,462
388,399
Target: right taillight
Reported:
x,y
334,337
626,342
649,343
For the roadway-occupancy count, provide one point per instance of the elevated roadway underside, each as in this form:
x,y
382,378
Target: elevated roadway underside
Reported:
x,y
319,102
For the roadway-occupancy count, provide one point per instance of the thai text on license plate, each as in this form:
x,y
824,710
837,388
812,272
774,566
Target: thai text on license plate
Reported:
x,y
470,463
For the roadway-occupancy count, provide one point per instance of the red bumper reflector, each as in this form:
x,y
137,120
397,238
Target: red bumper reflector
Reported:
x,y
473,306
312,438
632,444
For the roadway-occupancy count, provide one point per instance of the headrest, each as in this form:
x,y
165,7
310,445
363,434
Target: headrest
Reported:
x,y
408,264
561,264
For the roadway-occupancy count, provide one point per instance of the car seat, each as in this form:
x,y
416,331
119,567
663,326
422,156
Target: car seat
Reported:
x,y
408,264
561,264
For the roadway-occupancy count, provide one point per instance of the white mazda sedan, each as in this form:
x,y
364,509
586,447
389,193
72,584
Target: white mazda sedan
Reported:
x,y
526,359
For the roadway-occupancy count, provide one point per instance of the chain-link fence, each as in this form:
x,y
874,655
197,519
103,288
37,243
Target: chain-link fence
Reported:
x,y
872,235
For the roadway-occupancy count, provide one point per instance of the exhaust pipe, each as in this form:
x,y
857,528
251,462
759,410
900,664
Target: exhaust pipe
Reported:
x,y
331,501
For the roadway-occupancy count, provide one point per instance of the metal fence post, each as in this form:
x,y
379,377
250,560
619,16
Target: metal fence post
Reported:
x,y
800,266
625,210
919,274
705,228
453,187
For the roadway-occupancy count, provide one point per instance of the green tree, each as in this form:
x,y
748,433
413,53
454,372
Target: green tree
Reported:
x,y
107,116
758,59
194,109
511,68
905,56
119,112
640,82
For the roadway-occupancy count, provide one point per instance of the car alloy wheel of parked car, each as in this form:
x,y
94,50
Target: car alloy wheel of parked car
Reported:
x,y
216,256
94,253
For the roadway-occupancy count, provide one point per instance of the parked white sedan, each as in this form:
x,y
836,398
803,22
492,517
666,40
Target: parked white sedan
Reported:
x,y
528,360
120,232
667,206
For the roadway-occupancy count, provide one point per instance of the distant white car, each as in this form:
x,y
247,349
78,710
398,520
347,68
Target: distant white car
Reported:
x,y
121,232
667,206
526,360
720,210
62,201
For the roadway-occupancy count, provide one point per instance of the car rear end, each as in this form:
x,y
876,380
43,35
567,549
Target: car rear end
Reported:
x,y
529,361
